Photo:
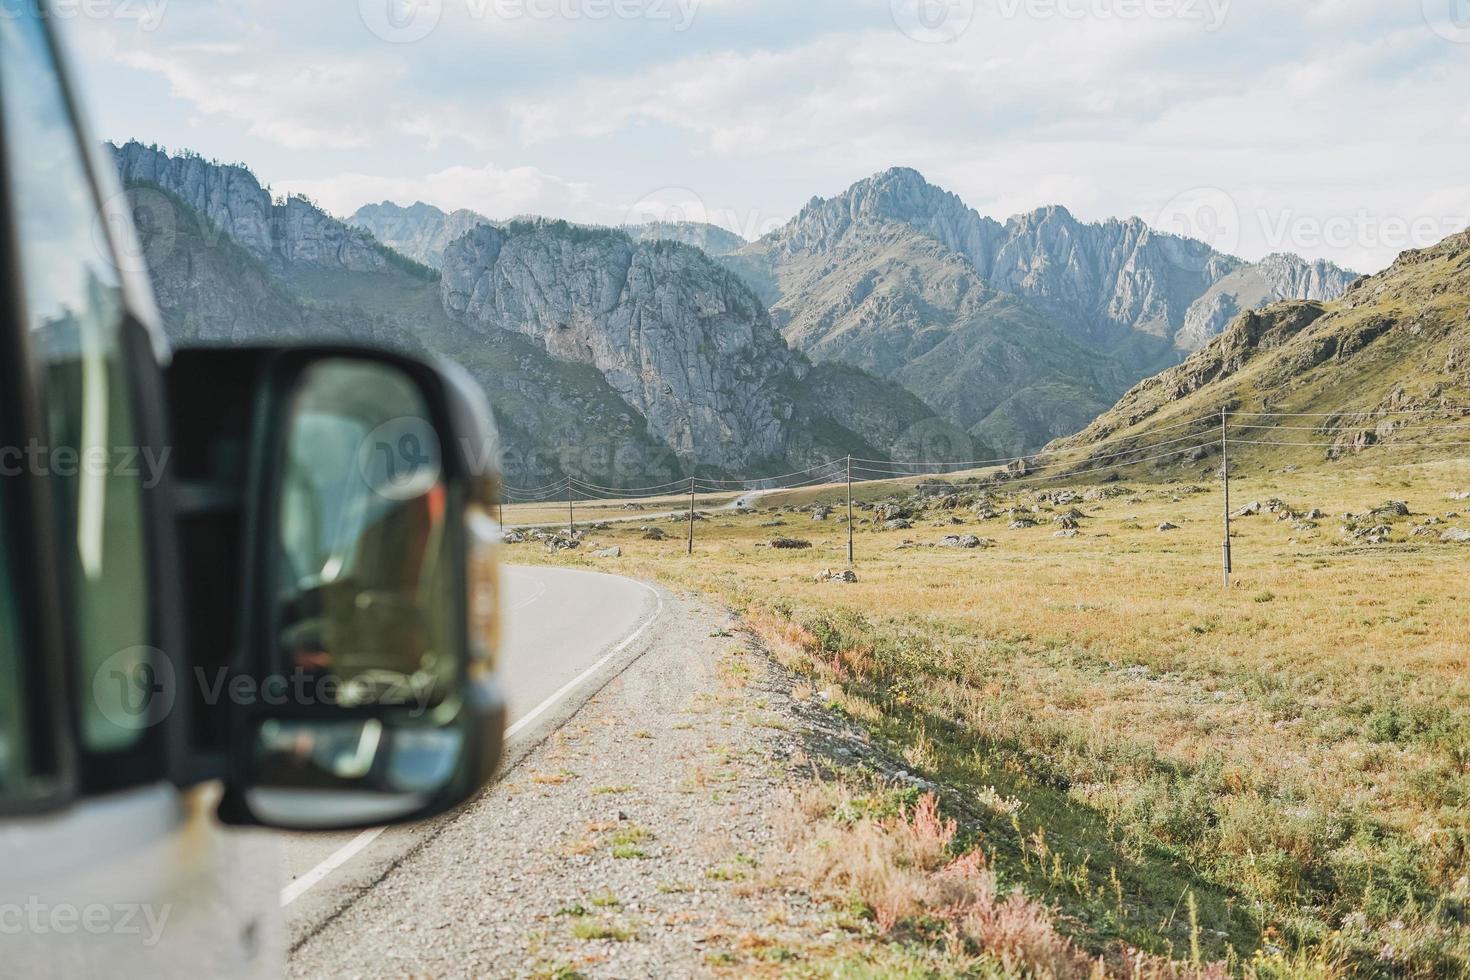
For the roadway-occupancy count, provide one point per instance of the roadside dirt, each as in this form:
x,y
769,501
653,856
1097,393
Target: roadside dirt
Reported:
x,y
639,840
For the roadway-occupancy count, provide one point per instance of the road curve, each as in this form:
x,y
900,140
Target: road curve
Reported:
x,y
565,633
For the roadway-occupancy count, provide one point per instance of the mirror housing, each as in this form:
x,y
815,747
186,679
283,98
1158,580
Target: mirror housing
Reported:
x,y
334,509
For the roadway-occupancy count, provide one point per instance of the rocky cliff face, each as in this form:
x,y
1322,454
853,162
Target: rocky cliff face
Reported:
x,y
293,232
1015,331
620,362
1274,279
682,340
420,231
1114,284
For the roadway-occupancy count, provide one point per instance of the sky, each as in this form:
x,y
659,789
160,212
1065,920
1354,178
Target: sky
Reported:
x,y
1336,129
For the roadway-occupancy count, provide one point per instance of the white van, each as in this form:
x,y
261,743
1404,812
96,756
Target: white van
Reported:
x,y
238,588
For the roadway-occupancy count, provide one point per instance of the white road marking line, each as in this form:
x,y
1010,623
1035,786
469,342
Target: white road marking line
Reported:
x,y
354,847
540,591
340,857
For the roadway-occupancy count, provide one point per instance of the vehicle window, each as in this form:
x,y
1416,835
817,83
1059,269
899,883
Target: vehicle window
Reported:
x,y
14,743
73,307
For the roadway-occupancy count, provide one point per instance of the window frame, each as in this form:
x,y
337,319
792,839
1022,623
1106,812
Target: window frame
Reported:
x,y
162,753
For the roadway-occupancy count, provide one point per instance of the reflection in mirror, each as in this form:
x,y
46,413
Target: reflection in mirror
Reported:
x,y
365,601
325,773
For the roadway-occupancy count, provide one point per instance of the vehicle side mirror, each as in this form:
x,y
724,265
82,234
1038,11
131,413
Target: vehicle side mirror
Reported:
x,y
370,598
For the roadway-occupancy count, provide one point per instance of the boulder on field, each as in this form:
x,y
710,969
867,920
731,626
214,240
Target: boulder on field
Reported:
x,y
1167,526
608,553
512,537
790,544
1456,535
960,541
844,576
654,534
1070,532
1249,510
1392,508
897,524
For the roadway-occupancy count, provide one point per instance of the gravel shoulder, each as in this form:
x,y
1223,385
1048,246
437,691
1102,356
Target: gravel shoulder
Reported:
x,y
638,840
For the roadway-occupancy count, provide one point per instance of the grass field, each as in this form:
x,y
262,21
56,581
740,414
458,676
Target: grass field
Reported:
x,y
1286,763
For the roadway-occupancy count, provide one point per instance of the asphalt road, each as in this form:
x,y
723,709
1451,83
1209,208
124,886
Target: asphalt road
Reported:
x,y
566,633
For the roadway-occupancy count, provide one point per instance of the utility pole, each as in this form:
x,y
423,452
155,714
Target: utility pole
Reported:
x,y
571,514
849,510
691,515
1225,476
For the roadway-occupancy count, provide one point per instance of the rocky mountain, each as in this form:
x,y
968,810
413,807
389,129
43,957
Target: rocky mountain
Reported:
x,y
1275,278
1043,319
1381,367
679,338
289,233
710,239
420,231
618,361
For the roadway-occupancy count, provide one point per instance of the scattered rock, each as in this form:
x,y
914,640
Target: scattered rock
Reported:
x,y
1249,510
1456,535
1166,526
790,544
845,576
654,534
1069,533
821,513
960,541
1393,508
513,537
1460,495
608,553
897,524
1022,524
1066,522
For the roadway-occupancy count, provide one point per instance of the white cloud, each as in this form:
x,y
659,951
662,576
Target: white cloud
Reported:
x,y
1323,107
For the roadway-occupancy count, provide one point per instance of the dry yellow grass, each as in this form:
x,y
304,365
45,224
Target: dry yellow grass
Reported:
x,y
1295,751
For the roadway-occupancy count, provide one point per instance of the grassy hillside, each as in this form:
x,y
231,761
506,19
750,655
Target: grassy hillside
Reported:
x,y
1378,374
1273,777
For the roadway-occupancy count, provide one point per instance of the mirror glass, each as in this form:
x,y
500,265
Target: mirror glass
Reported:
x,y
362,703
